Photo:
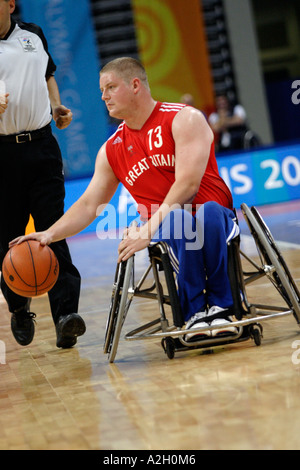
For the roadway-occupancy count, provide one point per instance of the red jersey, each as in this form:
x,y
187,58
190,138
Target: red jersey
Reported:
x,y
144,162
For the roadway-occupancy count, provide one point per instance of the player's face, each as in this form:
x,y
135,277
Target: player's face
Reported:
x,y
6,8
117,94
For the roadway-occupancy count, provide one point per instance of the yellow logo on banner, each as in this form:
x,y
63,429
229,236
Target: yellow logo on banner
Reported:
x,y
158,39
172,47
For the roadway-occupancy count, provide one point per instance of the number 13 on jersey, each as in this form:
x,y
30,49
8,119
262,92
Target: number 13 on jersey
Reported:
x,y
155,138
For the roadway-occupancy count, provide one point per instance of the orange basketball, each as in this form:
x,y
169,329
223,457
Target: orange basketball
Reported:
x,y
30,269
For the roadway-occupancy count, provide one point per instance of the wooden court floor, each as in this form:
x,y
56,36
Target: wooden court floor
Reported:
x,y
227,398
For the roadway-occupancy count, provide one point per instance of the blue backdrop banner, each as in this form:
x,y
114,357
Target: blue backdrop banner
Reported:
x,y
260,177
263,176
67,25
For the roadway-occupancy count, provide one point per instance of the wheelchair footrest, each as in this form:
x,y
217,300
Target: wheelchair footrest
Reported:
x,y
172,345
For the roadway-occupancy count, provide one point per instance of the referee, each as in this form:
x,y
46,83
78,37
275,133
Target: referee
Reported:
x,y
31,169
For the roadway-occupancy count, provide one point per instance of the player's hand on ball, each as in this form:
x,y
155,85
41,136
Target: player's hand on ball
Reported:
x,y
43,237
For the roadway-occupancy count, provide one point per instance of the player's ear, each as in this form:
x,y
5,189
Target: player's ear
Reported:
x,y
136,85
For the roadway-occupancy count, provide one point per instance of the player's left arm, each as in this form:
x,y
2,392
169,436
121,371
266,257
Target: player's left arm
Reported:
x,y
193,138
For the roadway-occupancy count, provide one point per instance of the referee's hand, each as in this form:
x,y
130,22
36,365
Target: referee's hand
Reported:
x,y
62,116
3,102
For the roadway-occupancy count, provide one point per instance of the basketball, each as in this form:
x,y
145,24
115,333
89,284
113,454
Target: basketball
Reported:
x,y
30,269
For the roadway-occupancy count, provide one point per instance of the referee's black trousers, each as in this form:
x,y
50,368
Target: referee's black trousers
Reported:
x,y
32,182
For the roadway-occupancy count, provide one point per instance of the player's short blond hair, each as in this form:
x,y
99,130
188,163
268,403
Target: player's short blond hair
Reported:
x,y
127,68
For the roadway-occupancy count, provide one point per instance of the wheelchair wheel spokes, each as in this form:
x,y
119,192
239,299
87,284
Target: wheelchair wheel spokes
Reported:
x,y
276,249
121,300
272,261
279,257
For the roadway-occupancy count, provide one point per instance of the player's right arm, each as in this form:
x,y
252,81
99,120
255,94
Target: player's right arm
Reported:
x,y
97,195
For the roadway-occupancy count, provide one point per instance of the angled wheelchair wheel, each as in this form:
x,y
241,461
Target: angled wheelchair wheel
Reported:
x,y
120,302
272,261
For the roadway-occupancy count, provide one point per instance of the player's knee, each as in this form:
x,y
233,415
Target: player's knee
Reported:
x,y
212,216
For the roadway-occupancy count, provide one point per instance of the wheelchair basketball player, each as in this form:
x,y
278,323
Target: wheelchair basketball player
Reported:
x,y
163,153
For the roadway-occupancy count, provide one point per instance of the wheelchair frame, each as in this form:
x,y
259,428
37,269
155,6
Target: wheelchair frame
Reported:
x,y
248,315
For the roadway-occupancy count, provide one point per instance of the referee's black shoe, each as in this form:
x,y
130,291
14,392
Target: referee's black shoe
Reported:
x,y
22,326
68,328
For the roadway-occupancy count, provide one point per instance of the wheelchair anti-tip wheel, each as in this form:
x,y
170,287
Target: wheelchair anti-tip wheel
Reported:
x,y
169,347
120,302
255,332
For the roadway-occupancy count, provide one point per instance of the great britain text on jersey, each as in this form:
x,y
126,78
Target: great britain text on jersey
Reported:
x,y
141,166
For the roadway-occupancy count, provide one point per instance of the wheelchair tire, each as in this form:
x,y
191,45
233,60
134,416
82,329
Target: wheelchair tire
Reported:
x,y
270,255
112,309
256,333
168,345
119,306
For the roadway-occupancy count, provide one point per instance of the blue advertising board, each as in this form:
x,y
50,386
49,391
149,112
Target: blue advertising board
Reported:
x,y
72,44
259,177
263,176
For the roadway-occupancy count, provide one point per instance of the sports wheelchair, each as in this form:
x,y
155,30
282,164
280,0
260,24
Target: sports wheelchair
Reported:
x,y
247,316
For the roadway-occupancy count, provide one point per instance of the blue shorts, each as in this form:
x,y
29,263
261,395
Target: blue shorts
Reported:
x,y
197,246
